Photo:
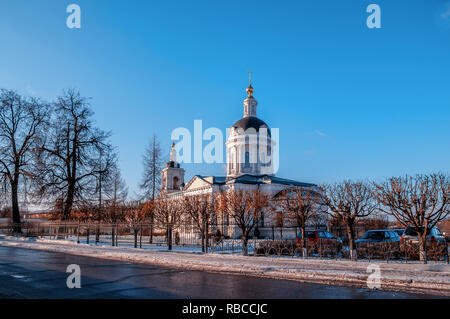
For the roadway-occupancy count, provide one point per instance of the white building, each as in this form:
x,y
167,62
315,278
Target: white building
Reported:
x,y
249,167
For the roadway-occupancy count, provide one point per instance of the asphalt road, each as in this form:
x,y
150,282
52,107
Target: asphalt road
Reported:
x,y
38,274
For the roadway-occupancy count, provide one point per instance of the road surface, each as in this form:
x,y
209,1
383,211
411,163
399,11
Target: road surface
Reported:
x,y
38,274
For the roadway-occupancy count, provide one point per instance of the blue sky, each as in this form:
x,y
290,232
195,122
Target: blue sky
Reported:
x,y
350,102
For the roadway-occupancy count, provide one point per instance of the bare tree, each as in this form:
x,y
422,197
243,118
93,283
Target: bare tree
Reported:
x,y
116,190
153,163
68,159
151,179
115,193
419,202
299,205
245,208
200,209
107,162
349,201
135,215
167,214
115,212
21,125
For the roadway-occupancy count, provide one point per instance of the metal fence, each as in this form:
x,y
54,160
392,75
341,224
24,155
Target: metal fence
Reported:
x,y
405,251
188,237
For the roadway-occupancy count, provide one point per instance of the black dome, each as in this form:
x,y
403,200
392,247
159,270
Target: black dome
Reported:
x,y
251,122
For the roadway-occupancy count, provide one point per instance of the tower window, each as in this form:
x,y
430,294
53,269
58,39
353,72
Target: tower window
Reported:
x,y
175,183
232,159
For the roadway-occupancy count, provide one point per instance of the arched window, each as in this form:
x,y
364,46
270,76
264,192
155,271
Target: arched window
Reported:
x,y
232,159
247,152
175,182
247,159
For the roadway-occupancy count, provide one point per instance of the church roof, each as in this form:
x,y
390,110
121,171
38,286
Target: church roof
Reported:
x,y
267,179
252,122
251,179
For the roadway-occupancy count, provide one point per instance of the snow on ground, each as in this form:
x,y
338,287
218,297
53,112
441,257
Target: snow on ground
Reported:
x,y
433,278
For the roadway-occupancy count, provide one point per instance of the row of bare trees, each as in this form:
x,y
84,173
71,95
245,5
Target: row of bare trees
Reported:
x,y
418,202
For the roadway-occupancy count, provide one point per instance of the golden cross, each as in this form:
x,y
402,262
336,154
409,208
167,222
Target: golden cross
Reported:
x,y
250,77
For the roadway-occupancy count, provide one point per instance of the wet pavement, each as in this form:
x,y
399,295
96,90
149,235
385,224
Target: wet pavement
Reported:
x,y
38,274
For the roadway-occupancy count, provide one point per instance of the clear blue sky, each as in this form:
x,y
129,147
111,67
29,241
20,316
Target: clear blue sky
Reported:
x,y
350,102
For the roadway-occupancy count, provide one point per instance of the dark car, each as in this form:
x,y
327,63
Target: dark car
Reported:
x,y
379,236
399,231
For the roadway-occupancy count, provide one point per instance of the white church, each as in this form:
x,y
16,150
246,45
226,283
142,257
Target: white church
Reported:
x,y
249,167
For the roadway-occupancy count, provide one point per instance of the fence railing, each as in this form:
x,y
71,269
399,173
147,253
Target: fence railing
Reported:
x,y
189,237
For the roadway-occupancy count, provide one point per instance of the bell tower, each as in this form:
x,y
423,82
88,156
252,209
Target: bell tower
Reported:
x,y
249,145
172,176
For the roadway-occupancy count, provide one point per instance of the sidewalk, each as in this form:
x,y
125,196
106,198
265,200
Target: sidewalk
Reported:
x,y
432,278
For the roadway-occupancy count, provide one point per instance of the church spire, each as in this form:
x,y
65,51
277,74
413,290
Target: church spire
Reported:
x,y
250,103
250,89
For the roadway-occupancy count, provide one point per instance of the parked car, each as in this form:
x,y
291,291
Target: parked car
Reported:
x,y
315,235
411,236
379,236
399,231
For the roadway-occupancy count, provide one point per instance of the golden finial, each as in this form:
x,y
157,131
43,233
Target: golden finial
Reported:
x,y
250,89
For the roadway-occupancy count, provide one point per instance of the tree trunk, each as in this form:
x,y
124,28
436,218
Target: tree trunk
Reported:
x,y
423,248
206,237
113,234
68,204
203,241
169,237
97,235
244,242
140,236
151,229
15,204
304,251
351,241
135,237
